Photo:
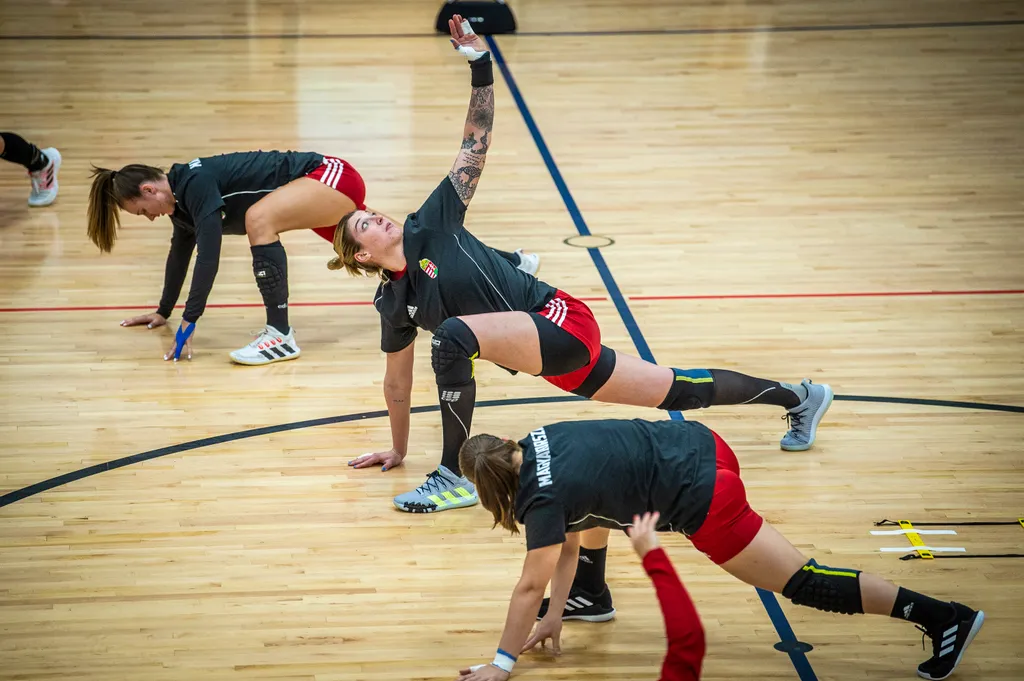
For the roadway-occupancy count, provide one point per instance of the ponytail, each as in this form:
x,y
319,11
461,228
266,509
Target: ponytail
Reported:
x,y
103,214
488,463
111,188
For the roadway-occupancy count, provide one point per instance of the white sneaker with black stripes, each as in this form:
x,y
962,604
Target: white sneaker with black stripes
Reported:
x,y
268,347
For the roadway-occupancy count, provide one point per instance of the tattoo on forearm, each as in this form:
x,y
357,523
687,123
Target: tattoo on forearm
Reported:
x,y
479,122
481,108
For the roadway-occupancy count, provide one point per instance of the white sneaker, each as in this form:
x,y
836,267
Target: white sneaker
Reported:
x,y
44,182
528,262
269,346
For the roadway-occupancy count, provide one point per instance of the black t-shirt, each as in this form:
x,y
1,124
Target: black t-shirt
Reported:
x,y
213,193
578,475
449,273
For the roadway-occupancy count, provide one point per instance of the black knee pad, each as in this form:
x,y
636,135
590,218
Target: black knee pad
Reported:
x,y
599,375
826,588
452,351
270,267
690,389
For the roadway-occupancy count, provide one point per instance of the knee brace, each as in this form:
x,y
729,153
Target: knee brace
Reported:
x,y
598,375
826,588
452,351
690,389
270,267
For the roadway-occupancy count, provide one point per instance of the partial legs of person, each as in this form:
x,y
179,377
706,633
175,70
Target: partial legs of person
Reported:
x,y
563,345
304,203
42,165
747,547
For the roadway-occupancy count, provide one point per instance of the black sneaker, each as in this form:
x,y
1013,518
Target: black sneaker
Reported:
x,y
584,606
950,641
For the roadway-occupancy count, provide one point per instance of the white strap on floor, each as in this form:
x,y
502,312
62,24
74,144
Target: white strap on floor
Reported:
x,y
933,549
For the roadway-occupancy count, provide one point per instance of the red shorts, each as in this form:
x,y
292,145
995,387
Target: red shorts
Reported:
x,y
731,524
573,316
341,176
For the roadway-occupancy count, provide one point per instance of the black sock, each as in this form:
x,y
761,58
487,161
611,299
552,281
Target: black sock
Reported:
x,y
511,257
590,570
457,404
735,388
19,150
920,609
270,267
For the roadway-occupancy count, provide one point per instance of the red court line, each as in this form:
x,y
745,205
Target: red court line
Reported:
x,y
588,299
218,306
860,294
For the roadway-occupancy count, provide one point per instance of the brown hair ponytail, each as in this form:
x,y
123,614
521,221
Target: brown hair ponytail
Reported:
x,y
110,188
487,461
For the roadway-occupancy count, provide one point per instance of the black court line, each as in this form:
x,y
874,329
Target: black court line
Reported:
x,y
932,403
720,30
66,478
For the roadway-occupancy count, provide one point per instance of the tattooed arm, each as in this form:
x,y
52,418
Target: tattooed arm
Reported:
x,y
476,139
476,136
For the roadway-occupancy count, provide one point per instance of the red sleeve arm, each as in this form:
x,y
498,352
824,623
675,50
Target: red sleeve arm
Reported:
x,y
682,623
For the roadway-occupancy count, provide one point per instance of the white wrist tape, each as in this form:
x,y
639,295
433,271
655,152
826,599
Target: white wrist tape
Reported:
x,y
504,661
469,52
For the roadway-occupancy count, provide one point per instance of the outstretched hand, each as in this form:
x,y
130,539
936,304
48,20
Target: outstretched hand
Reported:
x,y
464,39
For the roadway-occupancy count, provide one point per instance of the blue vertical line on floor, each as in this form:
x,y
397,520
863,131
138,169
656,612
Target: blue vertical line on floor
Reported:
x,y
771,604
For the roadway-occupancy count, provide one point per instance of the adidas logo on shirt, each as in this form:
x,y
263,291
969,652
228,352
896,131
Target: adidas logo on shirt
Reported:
x,y
195,163
411,309
906,611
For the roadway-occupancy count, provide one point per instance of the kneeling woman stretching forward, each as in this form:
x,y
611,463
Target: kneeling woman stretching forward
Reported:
x,y
568,477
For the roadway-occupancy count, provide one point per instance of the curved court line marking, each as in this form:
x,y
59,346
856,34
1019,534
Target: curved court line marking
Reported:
x,y
66,478
587,299
822,28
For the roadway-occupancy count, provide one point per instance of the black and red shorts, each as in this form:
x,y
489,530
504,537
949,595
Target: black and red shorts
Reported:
x,y
570,341
341,176
731,524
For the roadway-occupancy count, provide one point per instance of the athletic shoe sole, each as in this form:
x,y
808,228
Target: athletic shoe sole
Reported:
x,y
436,509
603,617
263,361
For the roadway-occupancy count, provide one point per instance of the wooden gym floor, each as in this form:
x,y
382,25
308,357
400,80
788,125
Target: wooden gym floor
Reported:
x,y
793,189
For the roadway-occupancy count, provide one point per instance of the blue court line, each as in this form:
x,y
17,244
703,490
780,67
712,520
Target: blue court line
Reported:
x,y
778,618
577,217
712,30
